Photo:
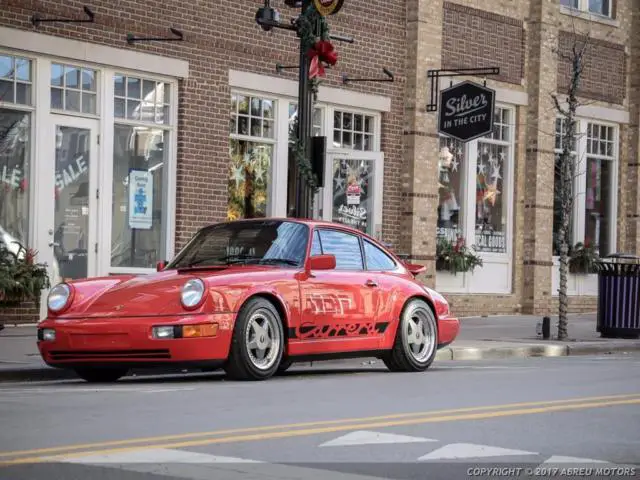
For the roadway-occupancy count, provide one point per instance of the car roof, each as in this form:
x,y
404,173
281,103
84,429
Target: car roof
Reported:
x,y
307,221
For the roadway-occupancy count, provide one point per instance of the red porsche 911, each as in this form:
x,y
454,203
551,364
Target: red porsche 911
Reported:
x,y
251,297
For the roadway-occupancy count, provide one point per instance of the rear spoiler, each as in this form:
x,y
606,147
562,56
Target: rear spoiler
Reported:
x,y
413,268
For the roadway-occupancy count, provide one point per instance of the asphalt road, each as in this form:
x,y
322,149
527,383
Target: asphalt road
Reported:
x,y
524,418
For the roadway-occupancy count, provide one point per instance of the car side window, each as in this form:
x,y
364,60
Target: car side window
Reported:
x,y
376,258
345,247
316,246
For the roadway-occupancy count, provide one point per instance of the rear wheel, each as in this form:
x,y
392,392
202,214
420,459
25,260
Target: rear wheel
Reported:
x,y
258,342
101,375
415,346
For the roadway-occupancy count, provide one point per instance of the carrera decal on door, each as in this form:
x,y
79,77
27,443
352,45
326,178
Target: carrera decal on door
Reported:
x,y
366,329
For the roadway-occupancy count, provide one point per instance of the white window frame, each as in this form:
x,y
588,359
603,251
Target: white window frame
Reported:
x,y
99,87
32,109
376,155
106,151
579,284
500,263
583,9
580,181
275,172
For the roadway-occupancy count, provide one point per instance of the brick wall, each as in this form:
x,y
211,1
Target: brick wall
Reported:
x,y
478,38
223,35
605,74
27,312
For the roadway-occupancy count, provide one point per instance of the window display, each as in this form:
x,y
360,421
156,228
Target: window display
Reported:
x,y
352,195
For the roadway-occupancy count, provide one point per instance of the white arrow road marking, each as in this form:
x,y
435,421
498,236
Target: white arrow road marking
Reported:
x,y
155,456
470,450
364,437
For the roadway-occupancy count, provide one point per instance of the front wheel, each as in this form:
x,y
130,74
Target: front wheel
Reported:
x,y
415,346
101,375
258,342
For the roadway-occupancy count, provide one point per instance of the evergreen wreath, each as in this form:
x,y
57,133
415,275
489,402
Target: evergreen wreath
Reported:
x,y
306,23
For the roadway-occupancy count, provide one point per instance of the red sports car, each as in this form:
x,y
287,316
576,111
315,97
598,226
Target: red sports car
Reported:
x,y
252,297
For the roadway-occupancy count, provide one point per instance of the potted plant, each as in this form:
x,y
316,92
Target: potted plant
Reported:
x,y
582,258
456,257
21,278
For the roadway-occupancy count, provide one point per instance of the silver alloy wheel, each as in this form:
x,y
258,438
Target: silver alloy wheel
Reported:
x,y
418,335
262,339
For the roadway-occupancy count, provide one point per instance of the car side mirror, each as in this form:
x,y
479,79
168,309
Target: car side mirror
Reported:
x,y
160,265
322,262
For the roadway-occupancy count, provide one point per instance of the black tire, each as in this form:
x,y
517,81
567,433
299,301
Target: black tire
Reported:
x,y
101,375
240,365
285,364
401,358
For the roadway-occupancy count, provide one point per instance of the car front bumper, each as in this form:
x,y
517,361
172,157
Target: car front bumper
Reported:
x,y
129,341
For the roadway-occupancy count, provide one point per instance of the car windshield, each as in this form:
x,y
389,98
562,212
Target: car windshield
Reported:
x,y
267,242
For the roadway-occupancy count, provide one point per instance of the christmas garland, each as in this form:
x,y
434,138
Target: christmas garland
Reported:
x,y
321,52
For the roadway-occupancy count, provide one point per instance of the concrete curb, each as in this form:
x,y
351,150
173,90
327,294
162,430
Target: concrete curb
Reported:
x,y
36,374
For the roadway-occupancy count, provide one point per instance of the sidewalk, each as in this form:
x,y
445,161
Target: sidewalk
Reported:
x,y
480,338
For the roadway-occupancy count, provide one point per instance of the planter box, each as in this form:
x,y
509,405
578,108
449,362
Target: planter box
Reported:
x,y
14,312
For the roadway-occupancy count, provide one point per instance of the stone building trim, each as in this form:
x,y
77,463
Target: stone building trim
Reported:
x,y
289,88
93,53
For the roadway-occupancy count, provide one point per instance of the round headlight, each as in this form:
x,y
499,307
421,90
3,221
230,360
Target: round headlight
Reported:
x,y
192,293
59,297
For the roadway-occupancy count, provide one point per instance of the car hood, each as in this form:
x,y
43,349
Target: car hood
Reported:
x,y
154,294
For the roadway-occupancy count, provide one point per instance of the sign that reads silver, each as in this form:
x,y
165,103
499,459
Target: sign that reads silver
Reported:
x,y
466,111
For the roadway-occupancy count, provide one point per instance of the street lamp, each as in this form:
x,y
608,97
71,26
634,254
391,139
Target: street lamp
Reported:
x,y
267,16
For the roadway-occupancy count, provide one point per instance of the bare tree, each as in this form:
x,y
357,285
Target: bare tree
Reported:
x,y
567,110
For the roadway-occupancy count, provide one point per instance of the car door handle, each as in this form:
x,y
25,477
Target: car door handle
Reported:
x,y
371,283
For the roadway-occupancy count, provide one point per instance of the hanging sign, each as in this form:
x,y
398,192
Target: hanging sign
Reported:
x,y
140,199
466,111
328,7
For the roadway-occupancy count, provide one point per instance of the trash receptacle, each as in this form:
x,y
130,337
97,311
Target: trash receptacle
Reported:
x,y
619,296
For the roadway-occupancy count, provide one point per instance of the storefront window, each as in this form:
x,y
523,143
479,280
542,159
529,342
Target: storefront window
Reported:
x,y
15,146
599,181
141,151
491,171
354,131
137,229
316,121
352,197
73,89
141,99
451,177
251,145
557,211
15,80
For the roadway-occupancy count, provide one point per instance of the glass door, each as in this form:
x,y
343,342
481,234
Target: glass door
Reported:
x,y
71,216
352,190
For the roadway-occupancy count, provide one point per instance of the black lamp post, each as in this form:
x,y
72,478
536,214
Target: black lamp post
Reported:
x,y
268,18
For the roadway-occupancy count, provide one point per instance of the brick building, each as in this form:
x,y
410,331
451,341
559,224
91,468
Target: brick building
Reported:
x,y
83,114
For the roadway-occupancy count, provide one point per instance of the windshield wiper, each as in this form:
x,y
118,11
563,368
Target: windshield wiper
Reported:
x,y
201,261
279,260
242,258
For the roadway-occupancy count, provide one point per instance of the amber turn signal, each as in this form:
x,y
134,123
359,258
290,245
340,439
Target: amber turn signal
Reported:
x,y
204,330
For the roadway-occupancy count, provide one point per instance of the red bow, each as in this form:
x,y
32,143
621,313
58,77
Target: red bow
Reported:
x,y
321,52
